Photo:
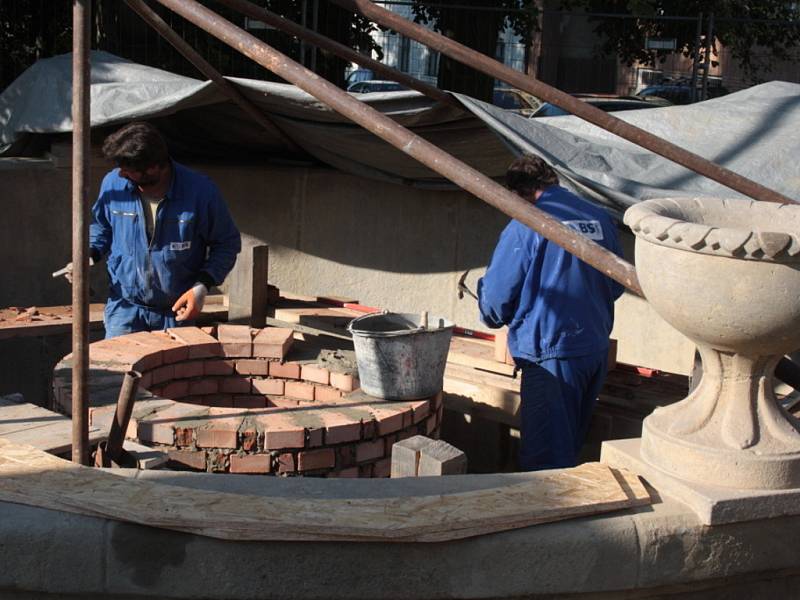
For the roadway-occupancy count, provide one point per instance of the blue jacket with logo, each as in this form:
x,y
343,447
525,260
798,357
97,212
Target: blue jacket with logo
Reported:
x,y
194,238
555,305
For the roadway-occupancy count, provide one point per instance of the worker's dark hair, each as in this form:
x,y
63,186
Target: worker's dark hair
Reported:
x,y
136,146
529,173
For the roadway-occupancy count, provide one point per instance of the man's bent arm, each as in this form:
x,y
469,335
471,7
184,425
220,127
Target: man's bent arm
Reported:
x,y
499,288
224,243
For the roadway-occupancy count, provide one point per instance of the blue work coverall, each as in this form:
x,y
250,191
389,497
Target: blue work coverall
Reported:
x,y
194,240
559,312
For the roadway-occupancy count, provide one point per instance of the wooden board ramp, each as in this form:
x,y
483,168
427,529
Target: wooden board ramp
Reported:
x,y
32,477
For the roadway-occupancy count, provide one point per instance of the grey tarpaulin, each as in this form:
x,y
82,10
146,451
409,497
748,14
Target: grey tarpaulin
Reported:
x,y
752,132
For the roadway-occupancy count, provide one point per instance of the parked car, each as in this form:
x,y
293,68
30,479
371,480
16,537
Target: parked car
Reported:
x,y
516,100
375,85
606,103
679,93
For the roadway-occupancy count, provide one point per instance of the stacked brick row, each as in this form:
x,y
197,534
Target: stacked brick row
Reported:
x,y
227,400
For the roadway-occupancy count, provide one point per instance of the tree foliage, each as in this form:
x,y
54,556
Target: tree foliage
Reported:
x,y
753,30
478,29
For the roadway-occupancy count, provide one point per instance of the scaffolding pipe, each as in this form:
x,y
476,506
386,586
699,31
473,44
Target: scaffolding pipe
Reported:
x,y
261,14
164,30
81,13
581,109
434,158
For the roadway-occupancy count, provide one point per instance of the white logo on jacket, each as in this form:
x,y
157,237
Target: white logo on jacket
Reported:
x,y
180,245
590,228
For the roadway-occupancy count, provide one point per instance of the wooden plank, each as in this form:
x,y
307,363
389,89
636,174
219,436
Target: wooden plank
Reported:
x,y
466,352
29,476
50,320
41,428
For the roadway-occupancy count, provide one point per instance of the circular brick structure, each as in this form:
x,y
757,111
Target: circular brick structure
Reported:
x,y
230,399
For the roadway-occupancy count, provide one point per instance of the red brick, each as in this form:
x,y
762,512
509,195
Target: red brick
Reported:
x,y
117,355
210,330
421,410
436,401
340,428
370,429
249,439
250,463
146,381
162,374
189,369
252,367
203,387
269,387
382,468
299,390
284,370
141,410
310,460
430,425
280,432
171,350
218,367
158,427
365,471
221,429
314,437
286,463
177,388
273,342
236,340
201,344
315,374
194,459
249,401
389,419
217,461
344,381
325,393
234,385
184,436
345,456
366,451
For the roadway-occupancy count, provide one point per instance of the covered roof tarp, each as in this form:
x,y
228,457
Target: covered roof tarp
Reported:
x,y
752,132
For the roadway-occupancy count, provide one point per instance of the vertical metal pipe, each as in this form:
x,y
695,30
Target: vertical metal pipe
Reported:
x,y
707,62
315,28
563,100
698,33
81,13
429,155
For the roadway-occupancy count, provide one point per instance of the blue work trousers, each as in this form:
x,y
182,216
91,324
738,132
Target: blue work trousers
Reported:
x,y
121,317
558,396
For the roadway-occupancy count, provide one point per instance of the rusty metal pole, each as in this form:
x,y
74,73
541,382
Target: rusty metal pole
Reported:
x,y
578,108
434,158
125,402
340,50
164,30
81,17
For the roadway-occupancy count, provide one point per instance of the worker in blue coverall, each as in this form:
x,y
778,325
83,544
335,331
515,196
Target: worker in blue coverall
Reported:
x,y
559,312
164,231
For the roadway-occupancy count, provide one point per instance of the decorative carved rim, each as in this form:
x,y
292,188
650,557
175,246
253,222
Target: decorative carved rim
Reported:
x,y
656,222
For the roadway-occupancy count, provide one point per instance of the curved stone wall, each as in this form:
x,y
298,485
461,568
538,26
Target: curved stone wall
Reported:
x,y
231,400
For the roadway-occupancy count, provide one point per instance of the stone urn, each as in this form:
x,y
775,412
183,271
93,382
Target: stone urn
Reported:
x,y
726,273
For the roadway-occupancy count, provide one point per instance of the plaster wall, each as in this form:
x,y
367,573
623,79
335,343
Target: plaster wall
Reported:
x,y
386,245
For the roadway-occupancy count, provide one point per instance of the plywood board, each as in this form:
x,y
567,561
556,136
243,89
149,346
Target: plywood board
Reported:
x,y
38,427
29,476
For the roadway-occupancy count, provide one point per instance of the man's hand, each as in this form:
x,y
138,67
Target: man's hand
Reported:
x,y
190,304
67,270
